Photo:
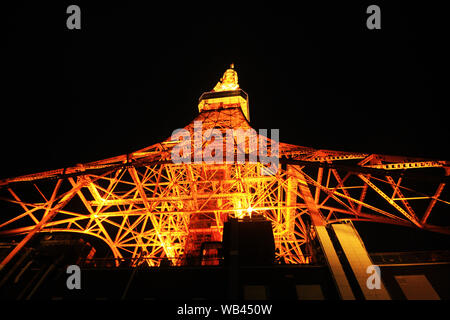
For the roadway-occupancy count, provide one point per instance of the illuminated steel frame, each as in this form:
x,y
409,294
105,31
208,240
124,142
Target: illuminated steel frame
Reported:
x,y
142,205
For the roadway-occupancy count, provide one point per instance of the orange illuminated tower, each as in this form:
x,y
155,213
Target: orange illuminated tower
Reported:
x,y
149,208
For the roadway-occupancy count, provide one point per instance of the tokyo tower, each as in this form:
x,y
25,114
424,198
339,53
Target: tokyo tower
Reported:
x,y
150,209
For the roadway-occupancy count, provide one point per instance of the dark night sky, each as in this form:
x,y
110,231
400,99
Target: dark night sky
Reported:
x,y
133,74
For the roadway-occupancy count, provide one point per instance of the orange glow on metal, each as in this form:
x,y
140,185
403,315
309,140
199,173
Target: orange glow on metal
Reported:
x,y
144,205
229,81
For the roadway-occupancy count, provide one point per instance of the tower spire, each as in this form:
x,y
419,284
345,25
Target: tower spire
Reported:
x,y
229,80
226,94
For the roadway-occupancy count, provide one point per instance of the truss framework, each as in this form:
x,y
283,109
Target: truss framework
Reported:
x,y
144,205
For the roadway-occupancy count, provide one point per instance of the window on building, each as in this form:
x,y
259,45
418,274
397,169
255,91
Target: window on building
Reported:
x,y
417,287
255,292
309,292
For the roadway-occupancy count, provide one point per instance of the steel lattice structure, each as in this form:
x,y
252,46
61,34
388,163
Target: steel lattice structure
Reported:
x,y
144,205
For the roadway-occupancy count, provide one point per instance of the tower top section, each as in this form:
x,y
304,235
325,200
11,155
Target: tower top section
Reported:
x,y
226,94
229,81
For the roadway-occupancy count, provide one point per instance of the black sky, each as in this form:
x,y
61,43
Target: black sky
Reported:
x,y
134,72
